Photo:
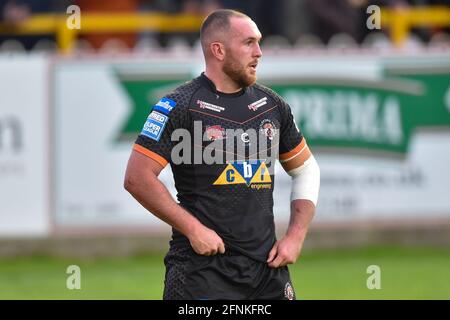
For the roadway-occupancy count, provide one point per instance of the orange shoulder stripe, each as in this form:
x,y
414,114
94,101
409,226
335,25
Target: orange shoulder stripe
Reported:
x,y
150,154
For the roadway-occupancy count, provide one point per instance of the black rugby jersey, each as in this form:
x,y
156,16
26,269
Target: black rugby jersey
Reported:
x,y
233,195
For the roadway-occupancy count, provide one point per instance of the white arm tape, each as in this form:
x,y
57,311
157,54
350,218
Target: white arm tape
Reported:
x,y
306,181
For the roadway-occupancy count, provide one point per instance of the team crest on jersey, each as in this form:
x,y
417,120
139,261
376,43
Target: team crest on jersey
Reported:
x,y
254,174
267,127
289,291
215,133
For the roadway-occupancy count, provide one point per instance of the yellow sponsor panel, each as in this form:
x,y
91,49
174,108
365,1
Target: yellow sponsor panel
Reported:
x,y
262,175
229,176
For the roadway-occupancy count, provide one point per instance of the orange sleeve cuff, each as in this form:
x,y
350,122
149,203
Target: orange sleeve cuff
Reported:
x,y
163,162
285,156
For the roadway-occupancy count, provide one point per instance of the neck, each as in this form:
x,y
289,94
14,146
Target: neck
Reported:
x,y
222,82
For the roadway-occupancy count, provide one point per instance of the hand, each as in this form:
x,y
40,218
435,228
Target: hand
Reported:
x,y
285,251
206,242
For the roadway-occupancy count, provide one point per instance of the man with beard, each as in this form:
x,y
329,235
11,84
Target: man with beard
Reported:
x,y
223,241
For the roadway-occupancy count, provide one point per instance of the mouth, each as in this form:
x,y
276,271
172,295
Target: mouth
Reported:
x,y
253,66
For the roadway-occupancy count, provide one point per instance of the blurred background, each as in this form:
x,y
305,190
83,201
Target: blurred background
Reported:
x,y
368,84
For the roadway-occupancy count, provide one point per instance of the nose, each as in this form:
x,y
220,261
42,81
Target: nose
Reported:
x,y
257,51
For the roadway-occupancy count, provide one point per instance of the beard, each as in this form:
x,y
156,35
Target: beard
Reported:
x,y
238,73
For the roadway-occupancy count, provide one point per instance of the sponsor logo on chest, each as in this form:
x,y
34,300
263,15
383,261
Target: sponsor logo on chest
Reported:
x,y
209,106
253,173
257,104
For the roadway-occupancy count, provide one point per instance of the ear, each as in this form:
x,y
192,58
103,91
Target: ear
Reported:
x,y
218,50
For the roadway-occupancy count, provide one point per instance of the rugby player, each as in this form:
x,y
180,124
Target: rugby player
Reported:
x,y
223,243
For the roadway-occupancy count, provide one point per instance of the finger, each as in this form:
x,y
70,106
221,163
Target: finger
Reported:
x,y
277,262
222,248
273,252
283,264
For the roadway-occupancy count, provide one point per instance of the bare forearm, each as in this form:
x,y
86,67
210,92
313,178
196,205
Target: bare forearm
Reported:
x,y
302,212
141,180
154,196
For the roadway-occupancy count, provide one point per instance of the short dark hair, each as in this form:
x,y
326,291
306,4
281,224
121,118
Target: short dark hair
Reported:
x,y
217,20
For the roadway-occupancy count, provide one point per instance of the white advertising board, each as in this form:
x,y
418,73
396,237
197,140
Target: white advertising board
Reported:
x,y
91,107
382,141
24,149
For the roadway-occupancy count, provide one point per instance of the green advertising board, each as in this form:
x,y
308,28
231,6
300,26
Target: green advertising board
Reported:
x,y
337,111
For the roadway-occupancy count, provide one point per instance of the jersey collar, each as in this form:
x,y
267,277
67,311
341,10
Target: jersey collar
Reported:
x,y
212,87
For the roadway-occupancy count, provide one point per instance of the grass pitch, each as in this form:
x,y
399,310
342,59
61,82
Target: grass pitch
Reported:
x,y
406,273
